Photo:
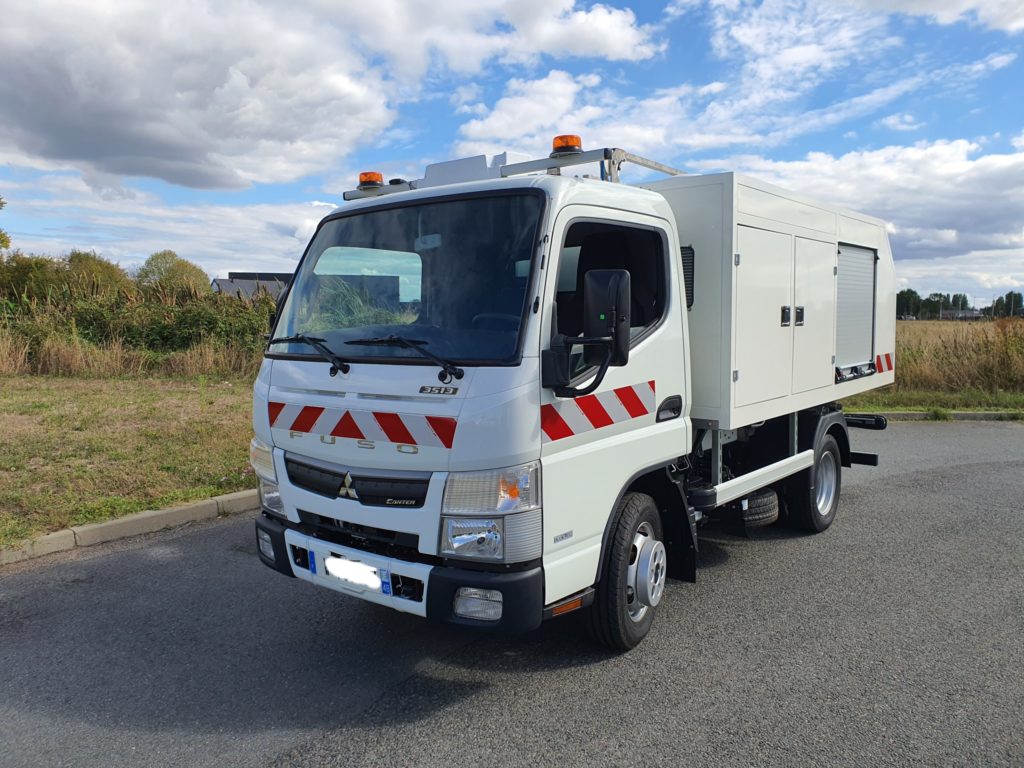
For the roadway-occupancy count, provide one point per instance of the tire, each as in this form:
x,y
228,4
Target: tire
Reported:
x,y
762,508
812,508
634,578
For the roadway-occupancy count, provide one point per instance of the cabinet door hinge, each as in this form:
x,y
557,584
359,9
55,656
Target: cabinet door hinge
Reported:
x,y
736,259
735,375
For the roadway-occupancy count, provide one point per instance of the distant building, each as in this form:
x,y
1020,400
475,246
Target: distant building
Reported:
x,y
245,285
960,314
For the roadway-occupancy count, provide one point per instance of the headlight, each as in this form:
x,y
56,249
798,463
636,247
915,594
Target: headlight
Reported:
x,y
270,498
261,456
493,515
472,537
515,489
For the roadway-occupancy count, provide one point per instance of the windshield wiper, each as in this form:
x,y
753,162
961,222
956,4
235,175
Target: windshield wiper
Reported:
x,y
337,364
449,371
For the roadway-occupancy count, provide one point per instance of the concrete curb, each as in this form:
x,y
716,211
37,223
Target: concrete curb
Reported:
x,y
955,416
131,525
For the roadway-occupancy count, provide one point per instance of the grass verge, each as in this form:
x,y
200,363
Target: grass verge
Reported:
x,y
77,451
894,399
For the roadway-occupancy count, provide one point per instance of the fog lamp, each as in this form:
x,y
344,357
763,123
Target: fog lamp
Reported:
x,y
475,603
265,544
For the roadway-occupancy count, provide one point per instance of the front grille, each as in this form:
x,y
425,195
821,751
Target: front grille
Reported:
x,y
370,490
379,541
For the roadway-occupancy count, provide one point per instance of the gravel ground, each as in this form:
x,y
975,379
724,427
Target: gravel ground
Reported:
x,y
892,639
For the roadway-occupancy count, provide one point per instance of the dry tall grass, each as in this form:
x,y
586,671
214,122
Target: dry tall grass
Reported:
x,y
13,355
952,356
930,356
72,356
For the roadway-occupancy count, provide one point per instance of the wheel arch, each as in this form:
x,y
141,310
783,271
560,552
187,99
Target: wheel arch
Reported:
x,y
817,422
676,524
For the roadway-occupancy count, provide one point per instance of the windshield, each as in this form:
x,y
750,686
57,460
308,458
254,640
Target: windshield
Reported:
x,y
451,275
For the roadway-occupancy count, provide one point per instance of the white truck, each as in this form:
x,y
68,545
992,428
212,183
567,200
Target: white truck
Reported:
x,y
502,393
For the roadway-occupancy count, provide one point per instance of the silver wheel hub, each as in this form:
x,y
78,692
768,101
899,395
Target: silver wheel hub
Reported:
x,y
826,491
645,577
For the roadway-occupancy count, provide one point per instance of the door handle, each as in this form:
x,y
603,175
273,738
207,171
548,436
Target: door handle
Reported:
x,y
799,315
786,311
670,408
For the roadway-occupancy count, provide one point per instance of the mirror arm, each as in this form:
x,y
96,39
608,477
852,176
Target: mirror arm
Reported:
x,y
601,371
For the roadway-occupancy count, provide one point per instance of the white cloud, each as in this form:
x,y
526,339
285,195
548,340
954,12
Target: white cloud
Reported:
x,y
465,34
465,93
1018,141
677,8
225,94
1007,15
901,122
533,108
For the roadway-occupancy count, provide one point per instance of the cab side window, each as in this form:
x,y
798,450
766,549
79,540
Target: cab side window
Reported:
x,y
599,245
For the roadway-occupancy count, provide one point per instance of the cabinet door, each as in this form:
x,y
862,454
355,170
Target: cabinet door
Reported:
x,y
814,312
763,341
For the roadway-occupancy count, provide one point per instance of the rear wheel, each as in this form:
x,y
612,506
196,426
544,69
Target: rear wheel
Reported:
x,y
813,507
634,576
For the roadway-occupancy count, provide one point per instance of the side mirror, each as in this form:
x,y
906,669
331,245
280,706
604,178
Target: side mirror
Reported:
x,y
606,299
606,307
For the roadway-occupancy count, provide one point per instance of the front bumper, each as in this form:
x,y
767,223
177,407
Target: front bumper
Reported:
x,y
417,588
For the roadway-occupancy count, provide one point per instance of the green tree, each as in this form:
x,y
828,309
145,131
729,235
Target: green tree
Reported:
x,y
30,276
5,240
166,274
908,302
93,275
1013,304
960,301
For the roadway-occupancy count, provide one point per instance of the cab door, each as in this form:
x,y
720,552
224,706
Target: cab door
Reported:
x,y
594,445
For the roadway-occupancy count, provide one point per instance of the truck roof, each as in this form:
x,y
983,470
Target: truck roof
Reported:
x,y
566,189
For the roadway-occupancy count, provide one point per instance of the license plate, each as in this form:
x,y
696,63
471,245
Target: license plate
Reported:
x,y
358,575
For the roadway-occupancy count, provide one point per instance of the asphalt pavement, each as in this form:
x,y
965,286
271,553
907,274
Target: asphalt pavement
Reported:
x,y
895,638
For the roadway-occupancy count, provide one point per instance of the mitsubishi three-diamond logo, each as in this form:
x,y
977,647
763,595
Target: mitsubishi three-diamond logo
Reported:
x,y
347,491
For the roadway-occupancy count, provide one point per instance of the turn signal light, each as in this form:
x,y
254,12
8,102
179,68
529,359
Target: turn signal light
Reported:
x,y
572,605
371,179
566,144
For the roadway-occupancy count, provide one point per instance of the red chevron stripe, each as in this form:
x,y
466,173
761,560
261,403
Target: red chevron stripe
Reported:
x,y
888,361
631,402
554,426
594,411
306,419
274,410
347,427
444,428
394,428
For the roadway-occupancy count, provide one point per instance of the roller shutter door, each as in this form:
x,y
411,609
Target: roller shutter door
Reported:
x,y
855,306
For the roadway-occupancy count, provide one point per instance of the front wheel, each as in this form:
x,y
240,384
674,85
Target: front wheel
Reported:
x,y
634,576
813,507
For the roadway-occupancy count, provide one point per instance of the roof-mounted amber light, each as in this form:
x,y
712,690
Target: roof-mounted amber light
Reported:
x,y
371,179
566,144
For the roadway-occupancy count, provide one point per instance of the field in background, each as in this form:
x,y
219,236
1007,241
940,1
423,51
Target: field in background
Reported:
x,y
954,365
81,450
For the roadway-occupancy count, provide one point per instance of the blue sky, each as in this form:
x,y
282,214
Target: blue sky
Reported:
x,y
225,130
